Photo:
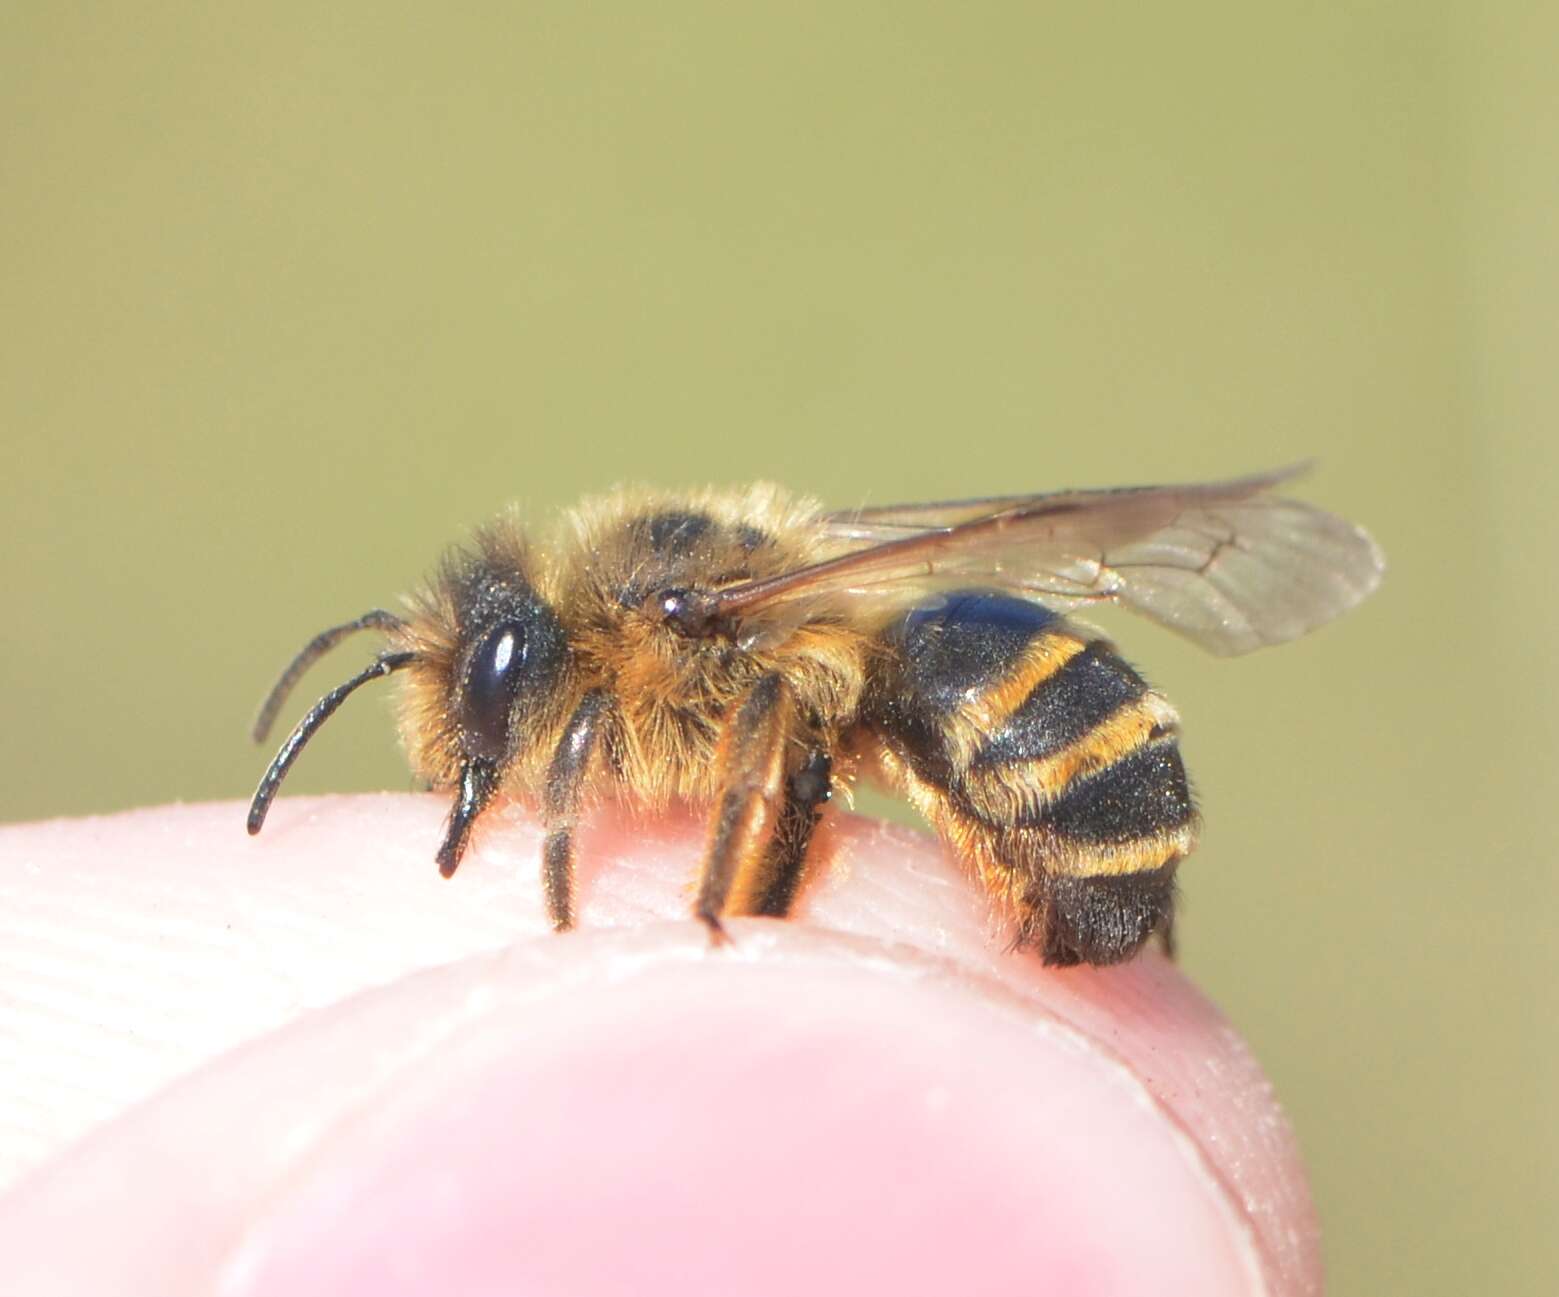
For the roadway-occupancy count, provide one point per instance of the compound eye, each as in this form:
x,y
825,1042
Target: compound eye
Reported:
x,y
496,667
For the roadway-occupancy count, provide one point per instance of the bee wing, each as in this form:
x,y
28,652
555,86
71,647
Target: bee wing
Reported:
x,y
1226,564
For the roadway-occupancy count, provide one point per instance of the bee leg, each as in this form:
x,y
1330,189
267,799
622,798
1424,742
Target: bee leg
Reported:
x,y
777,878
1166,936
750,805
567,777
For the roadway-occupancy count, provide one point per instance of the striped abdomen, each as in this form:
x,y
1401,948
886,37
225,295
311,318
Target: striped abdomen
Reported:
x,y
1046,761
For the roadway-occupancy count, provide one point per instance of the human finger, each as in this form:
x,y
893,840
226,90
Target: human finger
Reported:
x,y
878,1084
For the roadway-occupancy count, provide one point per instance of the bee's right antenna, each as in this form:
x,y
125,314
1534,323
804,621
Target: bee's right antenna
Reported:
x,y
318,714
311,653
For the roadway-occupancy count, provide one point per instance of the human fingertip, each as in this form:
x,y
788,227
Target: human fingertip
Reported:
x,y
626,1115
874,1094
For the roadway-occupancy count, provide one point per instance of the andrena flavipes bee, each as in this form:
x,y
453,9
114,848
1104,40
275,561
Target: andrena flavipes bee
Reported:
x,y
747,650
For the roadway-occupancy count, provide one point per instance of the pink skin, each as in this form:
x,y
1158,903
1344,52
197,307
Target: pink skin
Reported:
x,y
305,1064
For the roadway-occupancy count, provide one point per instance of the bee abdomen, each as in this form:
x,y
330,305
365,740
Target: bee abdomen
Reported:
x,y
1047,761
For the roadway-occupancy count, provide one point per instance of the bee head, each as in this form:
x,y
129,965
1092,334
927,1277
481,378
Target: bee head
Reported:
x,y
505,653
485,653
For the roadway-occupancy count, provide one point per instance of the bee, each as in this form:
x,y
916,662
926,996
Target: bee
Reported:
x,y
746,650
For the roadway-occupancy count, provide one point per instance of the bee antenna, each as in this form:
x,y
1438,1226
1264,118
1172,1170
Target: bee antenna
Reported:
x,y
318,714
478,782
311,653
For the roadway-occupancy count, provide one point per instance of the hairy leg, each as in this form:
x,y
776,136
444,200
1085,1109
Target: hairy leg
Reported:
x,y
567,778
772,889
751,801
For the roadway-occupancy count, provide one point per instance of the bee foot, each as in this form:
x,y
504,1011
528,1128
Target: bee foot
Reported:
x,y
718,936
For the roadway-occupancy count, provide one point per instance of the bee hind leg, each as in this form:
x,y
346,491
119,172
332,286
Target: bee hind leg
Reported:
x,y
783,868
1167,943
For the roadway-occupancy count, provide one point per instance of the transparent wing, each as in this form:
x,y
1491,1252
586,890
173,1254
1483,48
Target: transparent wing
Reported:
x,y
1226,564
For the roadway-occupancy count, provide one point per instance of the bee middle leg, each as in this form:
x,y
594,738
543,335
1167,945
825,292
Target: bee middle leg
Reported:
x,y
763,814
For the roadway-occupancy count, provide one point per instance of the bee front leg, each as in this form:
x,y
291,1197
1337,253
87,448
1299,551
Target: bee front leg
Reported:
x,y
567,777
750,806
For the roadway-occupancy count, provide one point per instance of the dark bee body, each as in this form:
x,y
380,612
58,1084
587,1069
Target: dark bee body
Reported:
x,y
746,651
1047,760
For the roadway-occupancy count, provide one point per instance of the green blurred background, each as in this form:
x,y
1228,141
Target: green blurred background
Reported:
x,y
293,294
